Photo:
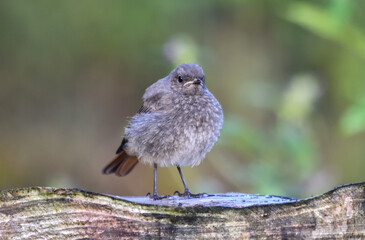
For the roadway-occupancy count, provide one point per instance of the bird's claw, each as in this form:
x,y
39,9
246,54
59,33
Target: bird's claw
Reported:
x,y
188,194
155,196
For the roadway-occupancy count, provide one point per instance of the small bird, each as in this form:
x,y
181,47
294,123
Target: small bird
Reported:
x,y
177,125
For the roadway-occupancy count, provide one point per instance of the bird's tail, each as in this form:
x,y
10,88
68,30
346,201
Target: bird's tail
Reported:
x,y
121,165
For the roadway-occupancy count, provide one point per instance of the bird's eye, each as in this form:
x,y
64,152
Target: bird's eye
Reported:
x,y
180,79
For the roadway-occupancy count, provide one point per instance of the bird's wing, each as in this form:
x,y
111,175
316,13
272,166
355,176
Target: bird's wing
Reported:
x,y
155,98
153,103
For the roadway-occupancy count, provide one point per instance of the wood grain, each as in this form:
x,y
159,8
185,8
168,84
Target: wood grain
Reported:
x,y
50,213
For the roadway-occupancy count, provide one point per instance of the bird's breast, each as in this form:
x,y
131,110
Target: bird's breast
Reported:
x,y
178,135
201,117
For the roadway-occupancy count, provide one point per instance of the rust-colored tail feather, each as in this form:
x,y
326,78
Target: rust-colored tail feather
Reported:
x,y
121,165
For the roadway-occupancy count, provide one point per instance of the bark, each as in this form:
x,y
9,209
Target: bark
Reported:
x,y
50,213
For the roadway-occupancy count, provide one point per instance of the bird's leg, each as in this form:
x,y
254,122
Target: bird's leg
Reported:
x,y
155,196
187,192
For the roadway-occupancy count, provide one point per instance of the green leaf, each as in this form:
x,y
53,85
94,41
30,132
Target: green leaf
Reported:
x,y
330,23
353,120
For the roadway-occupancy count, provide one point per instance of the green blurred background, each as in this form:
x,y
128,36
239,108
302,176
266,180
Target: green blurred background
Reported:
x,y
290,76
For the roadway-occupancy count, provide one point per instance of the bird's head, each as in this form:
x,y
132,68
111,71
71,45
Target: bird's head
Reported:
x,y
188,78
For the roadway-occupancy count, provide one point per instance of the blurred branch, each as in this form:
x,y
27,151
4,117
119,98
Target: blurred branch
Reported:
x,y
49,213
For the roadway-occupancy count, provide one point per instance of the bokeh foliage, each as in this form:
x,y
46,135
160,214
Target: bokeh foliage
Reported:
x,y
289,74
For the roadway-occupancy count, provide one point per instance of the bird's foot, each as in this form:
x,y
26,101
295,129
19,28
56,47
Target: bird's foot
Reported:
x,y
155,196
188,194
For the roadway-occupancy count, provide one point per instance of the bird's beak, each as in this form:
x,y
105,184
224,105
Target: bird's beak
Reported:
x,y
195,81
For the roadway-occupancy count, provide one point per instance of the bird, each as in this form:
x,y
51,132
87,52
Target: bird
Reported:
x,y
177,125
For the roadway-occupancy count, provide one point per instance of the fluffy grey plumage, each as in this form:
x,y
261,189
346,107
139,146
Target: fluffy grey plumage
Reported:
x,y
182,123
178,124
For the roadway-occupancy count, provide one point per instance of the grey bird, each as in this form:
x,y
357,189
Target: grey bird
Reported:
x,y
177,125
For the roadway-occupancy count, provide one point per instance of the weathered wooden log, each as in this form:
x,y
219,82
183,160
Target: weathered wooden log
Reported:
x,y
49,213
